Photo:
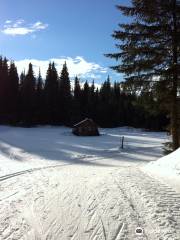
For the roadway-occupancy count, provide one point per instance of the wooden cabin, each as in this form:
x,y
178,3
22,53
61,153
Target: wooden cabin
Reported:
x,y
87,127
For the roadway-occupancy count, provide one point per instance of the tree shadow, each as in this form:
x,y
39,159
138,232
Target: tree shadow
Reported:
x,y
58,145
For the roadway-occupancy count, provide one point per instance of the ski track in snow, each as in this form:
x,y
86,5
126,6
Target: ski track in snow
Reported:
x,y
77,201
99,208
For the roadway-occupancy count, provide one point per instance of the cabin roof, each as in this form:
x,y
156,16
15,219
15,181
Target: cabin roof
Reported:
x,y
84,121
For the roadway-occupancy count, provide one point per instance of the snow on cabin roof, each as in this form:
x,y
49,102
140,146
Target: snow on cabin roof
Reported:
x,y
83,121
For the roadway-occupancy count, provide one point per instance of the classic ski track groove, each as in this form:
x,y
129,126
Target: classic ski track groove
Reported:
x,y
99,214
137,219
136,190
165,202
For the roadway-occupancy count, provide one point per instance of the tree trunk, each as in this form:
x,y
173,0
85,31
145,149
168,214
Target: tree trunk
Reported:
x,y
174,109
174,122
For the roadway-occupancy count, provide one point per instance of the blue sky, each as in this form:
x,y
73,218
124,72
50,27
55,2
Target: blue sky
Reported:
x,y
78,31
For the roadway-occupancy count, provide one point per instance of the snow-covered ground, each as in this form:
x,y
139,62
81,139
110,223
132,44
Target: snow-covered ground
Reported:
x,y
167,168
168,165
25,148
54,185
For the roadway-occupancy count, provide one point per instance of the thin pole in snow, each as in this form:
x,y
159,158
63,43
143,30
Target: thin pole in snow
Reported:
x,y
122,142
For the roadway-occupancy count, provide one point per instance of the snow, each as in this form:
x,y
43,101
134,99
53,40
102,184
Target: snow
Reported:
x,y
25,148
54,185
166,169
168,165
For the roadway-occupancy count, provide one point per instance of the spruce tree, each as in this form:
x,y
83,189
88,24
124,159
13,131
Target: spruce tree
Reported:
x,y
92,102
76,105
13,92
105,109
21,78
40,106
77,88
28,97
85,100
39,85
65,97
5,101
149,49
51,94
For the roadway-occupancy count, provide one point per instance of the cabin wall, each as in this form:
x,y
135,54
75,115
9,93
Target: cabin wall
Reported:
x,y
86,130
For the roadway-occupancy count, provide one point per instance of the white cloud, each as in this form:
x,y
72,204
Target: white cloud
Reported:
x,y
19,27
8,21
39,25
77,66
17,31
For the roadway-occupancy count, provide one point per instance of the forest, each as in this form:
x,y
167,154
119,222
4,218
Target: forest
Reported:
x,y
28,100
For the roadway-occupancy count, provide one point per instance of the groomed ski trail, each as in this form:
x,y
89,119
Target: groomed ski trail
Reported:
x,y
80,202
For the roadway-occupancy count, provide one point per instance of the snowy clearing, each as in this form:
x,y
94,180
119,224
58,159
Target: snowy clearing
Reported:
x,y
25,148
54,185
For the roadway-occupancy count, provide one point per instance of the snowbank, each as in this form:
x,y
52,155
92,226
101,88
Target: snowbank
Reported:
x,y
167,165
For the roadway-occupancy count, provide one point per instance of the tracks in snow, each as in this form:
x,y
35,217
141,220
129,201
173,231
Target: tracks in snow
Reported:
x,y
156,205
135,219
93,203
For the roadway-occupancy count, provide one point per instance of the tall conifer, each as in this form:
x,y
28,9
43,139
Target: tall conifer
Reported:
x,y
65,97
149,49
51,94
28,97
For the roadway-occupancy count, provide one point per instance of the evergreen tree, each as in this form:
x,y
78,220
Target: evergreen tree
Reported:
x,y
39,86
4,91
28,98
40,107
76,111
13,92
96,103
65,97
105,98
149,112
118,111
85,100
77,89
30,102
150,49
22,77
51,94
92,102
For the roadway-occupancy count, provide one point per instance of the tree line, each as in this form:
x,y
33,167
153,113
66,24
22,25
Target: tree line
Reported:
x,y
27,100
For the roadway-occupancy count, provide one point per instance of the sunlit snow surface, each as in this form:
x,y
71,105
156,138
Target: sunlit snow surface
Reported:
x,y
54,185
24,148
168,165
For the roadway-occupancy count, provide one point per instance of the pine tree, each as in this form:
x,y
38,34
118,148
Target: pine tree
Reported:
x,y
92,102
21,78
51,94
76,106
13,92
117,105
39,86
4,91
40,107
85,100
65,97
28,97
77,89
105,106
149,49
